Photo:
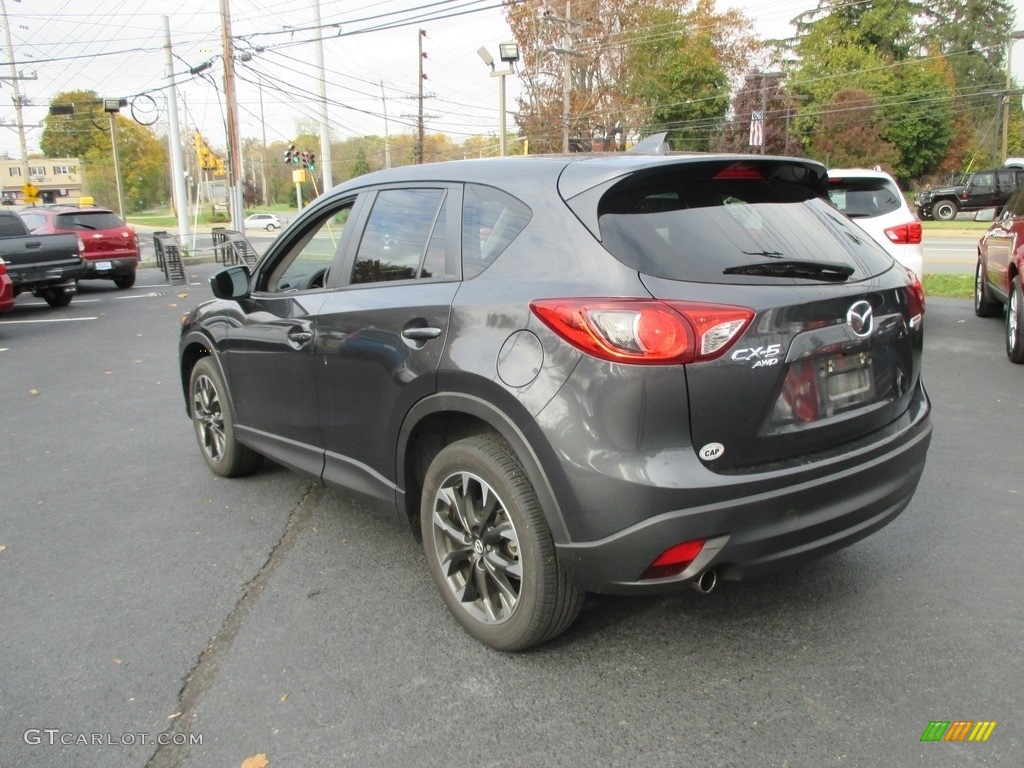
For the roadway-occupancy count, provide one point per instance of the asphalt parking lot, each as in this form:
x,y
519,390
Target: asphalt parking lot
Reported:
x,y
143,600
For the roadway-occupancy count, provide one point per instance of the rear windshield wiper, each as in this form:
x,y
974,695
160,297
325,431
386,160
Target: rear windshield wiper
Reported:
x,y
812,270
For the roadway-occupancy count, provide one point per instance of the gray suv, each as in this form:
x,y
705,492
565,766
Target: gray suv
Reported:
x,y
624,373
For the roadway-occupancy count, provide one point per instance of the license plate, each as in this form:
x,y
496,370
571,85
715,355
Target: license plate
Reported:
x,y
849,380
103,266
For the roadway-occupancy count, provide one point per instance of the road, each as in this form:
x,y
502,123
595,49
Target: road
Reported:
x,y
140,595
949,253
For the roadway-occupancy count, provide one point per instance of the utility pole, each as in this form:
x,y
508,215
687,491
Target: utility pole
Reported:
x,y
16,98
566,78
419,141
234,150
263,125
325,127
174,139
387,139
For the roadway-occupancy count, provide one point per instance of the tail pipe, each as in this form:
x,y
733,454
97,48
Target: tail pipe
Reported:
x,y
706,581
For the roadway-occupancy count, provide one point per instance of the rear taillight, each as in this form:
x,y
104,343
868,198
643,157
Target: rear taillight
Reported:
x,y
905,234
674,560
81,246
644,331
915,298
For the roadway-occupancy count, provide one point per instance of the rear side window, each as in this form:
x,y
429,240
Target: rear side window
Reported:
x,y
87,221
491,219
11,226
404,237
864,198
697,225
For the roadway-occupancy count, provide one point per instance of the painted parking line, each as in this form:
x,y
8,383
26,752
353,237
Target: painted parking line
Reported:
x,y
49,320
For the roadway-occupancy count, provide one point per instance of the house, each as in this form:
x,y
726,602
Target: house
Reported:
x,y
57,179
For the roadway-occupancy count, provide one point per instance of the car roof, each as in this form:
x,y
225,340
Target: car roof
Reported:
x,y
573,173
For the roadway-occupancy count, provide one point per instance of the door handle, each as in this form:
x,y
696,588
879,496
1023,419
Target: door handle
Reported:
x,y
300,337
421,334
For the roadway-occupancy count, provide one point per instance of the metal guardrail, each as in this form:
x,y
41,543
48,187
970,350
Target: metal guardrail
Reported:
x,y
168,257
230,247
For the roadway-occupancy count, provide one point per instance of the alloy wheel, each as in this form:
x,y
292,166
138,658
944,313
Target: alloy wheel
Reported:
x,y
208,417
477,547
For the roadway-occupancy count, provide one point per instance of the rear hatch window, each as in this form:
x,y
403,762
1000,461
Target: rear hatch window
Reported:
x,y
88,221
864,198
730,223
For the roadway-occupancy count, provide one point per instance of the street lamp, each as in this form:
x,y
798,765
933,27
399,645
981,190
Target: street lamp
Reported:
x,y
509,54
112,107
1005,102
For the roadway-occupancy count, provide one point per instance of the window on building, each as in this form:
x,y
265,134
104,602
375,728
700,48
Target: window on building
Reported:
x,y
14,170
63,170
37,170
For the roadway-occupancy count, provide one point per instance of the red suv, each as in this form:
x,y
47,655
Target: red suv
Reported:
x,y
111,246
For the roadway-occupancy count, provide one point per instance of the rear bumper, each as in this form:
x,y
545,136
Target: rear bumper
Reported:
x,y
818,509
121,265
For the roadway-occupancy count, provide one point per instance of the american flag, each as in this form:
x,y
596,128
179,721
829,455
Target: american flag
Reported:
x,y
756,128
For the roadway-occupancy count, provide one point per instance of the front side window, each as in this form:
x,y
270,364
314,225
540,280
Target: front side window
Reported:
x,y
306,264
404,237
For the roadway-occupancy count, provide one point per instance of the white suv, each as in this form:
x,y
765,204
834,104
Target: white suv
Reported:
x,y
874,200
267,221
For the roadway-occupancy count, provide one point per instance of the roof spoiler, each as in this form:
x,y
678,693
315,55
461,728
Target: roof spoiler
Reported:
x,y
655,144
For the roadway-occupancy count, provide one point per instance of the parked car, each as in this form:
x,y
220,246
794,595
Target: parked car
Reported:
x,y
971,192
46,265
998,275
873,199
267,221
6,289
627,373
111,246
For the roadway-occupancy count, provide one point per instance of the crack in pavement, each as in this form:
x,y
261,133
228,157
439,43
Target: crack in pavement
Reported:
x,y
202,676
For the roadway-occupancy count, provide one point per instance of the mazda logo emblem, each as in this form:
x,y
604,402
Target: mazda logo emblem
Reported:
x,y
860,318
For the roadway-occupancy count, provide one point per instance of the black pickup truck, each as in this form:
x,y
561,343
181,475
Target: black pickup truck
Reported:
x,y
46,265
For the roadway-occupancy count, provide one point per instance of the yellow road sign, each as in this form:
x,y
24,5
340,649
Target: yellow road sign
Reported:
x,y
30,192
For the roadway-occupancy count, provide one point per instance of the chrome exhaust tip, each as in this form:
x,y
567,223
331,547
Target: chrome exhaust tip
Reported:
x,y
706,581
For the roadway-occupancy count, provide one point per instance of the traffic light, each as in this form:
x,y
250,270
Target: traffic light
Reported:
x,y
311,161
291,156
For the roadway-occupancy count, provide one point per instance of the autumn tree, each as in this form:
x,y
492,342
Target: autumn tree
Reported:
x,y
634,65
877,48
85,134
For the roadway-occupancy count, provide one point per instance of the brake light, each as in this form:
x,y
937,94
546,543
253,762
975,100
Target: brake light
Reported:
x,y
674,560
644,331
81,245
915,298
739,171
905,234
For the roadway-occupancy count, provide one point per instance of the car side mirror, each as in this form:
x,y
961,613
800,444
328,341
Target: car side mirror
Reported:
x,y
231,283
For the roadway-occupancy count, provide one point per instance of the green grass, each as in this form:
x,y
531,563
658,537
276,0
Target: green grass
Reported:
x,y
166,218
949,286
959,226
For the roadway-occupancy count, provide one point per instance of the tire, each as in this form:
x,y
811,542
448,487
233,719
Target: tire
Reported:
x,y
1015,323
945,210
214,423
984,305
489,549
57,297
271,227
125,281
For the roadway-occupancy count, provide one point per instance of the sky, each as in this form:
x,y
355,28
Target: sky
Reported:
x,y
116,48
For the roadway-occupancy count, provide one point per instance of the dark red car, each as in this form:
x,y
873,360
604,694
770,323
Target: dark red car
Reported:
x,y
6,289
999,276
111,246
